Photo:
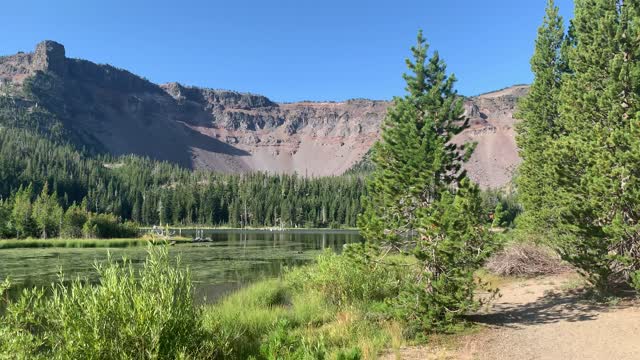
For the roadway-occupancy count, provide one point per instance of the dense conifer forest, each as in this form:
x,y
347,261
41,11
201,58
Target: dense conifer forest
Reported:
x,y
153,193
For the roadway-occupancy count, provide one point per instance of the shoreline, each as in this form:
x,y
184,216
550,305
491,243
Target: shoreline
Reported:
x,y
143,241
266,228
82,243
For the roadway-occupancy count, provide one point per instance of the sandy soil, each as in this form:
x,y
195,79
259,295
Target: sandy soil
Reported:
x,y
540,319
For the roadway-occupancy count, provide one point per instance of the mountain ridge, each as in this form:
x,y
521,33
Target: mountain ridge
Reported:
x,y
229,131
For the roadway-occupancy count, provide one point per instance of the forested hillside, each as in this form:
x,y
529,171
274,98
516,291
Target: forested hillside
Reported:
x,y
37,149
34,149
151,192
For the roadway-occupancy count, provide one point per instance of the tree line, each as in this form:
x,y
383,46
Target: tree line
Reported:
x,y
149,192
23,215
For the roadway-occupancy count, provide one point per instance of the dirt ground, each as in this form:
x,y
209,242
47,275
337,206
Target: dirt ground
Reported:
x,y
544,318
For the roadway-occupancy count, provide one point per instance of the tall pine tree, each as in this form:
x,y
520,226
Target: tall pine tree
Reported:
x,y
414,161
419,200
47,213
593,163
21,214
539,125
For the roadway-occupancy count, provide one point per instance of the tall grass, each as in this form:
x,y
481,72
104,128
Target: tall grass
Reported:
x,y
333,309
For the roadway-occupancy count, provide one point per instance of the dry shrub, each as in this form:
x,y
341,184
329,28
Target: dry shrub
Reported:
x,y
525,259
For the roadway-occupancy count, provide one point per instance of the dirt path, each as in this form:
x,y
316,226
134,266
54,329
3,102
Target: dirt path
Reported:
x,y
540,319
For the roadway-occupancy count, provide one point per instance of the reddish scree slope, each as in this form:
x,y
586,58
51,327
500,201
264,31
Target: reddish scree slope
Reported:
x,y
236,132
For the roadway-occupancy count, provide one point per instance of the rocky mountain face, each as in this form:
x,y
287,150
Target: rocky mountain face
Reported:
x,y
119,112
492,127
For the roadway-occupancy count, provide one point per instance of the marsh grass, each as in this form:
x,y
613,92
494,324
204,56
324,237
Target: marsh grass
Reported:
x,y
331,309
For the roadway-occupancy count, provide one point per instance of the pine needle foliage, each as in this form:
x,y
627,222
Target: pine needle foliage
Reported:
x,y
420,202
588,191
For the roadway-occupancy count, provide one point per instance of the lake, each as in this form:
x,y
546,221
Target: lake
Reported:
x,y
233,258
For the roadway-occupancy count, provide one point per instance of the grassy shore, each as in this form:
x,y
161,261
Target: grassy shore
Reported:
x,y
326,310
81,243
270,320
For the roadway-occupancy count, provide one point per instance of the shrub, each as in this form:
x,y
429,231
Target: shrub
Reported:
x,y
128,315
107,226
74,219
635,280
349,278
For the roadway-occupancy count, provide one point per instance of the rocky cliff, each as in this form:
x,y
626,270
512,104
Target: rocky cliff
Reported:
x,y
117,111
492,127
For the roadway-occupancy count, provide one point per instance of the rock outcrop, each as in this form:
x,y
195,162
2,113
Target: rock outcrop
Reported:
x,y
117,111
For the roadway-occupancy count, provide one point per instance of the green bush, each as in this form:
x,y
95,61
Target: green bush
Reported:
x,y
635,280
148,314
349,278
74,219
107,226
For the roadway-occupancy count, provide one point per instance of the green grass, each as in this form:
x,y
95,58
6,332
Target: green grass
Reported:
x,y
79,243
336,308
331,309
269,320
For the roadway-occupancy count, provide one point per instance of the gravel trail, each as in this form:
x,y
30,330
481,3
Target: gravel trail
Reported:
x,y
540,319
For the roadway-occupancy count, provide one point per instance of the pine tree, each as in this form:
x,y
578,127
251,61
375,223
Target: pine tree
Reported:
x,y
499,215
454,245
6,225
21,214
47,213
539,126
595,160
414,161
420,201
74,219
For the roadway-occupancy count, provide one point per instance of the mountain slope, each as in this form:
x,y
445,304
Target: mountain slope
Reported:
x,y
493,129
113,110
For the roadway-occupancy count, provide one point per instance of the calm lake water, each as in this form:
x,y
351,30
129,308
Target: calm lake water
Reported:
x,y
233,259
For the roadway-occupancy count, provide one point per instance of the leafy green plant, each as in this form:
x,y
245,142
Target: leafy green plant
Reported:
x,y
148,314
635,280
108,226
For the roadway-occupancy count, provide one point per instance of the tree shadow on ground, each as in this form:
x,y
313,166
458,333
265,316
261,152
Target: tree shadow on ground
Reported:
x,y
570,306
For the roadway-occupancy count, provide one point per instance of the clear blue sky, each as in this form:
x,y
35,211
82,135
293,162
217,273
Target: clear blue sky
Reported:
x,y
288,50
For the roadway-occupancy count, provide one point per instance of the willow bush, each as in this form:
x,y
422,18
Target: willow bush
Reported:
x,y
129,314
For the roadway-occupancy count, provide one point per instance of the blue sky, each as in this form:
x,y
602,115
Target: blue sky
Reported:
x,y
287,50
